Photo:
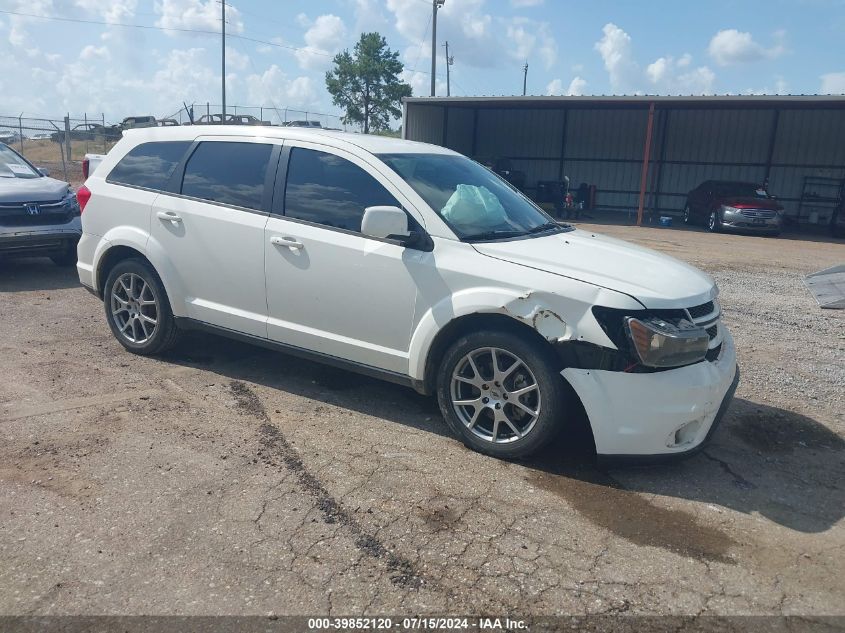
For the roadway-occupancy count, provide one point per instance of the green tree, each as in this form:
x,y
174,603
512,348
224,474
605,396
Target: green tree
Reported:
x,y
366,83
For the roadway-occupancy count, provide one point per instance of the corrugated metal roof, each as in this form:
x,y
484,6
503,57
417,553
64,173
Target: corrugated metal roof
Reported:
x,y
836,101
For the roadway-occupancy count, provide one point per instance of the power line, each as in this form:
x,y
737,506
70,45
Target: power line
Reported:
x,y
149,27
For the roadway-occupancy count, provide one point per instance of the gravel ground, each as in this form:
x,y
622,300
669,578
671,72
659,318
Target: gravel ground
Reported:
x,y
227,479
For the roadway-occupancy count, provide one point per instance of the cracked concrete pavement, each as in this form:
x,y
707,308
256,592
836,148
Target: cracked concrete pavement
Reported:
x,y
228,479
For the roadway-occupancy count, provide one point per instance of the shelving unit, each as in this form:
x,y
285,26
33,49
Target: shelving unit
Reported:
x,y
820,194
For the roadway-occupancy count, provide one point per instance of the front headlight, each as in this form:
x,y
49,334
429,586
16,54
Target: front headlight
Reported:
x,y
729,210
666,343
71,202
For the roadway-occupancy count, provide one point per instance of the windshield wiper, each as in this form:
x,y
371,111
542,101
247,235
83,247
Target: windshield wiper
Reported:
x,y
492,235
545,227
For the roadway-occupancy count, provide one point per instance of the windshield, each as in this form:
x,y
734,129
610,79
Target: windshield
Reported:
x,y
740,189
13,166
471,199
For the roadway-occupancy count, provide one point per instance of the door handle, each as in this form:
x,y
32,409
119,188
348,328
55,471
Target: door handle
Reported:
x,y
288,242
170,216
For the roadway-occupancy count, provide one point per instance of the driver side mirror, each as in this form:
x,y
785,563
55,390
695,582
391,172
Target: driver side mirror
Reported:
x,y
43,171
385,222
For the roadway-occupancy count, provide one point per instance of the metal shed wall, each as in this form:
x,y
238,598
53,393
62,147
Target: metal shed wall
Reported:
x,y
602,142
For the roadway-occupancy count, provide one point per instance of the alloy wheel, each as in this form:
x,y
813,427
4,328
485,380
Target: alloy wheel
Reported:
x,y
495,395
134,308
686,215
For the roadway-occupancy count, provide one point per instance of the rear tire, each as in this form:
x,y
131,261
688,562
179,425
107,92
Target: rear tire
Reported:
x,y
137,308
510,412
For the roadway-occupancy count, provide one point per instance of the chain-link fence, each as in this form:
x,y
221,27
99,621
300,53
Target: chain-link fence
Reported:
x,y
269,115
58,145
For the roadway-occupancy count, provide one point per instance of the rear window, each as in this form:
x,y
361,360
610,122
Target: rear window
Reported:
x,y
149,165
229,173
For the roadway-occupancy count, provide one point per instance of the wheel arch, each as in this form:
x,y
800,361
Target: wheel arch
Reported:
x,y
112,256
462,325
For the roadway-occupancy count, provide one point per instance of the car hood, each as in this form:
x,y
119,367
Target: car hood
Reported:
x,y
750,202
42,189
653,279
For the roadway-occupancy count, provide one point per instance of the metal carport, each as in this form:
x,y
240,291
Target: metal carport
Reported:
x,y
796,143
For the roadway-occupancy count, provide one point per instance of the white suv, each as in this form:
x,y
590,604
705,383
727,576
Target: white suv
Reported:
x,y
412,263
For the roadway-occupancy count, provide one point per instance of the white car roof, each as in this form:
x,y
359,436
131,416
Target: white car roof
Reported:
x,y
368,142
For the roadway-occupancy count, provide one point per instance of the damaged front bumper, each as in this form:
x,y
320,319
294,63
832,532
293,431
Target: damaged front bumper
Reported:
x,y
659,415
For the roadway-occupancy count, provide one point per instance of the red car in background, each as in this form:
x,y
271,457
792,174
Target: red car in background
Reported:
x,y
733,206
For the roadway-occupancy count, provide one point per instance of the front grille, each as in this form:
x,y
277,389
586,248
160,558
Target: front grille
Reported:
x,y
707,316
758,213
701,311
52,212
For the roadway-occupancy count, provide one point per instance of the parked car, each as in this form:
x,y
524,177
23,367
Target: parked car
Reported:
x,y
312,124
412,263
166,122
86,132
40,136
90,162
8,137
38,214
132,122
733,206
837,220
230,119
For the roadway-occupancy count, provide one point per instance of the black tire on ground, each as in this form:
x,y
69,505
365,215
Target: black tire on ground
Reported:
x,y
67,257
540,360
166,332
714,224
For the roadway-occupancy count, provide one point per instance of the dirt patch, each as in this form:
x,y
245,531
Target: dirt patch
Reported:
x,y
631,516
275,446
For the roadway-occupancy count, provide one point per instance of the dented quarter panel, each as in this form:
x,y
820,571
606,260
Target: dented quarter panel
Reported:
x,y
450,287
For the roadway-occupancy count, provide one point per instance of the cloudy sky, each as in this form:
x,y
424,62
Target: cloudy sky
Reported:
x,y
89,61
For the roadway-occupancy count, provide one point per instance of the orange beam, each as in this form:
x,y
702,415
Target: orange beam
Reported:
x,y
646,157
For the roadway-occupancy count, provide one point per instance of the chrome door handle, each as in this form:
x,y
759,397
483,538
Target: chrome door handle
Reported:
x,y
288,242
169,216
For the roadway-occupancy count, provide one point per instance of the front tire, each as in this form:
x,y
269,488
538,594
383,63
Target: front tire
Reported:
x,y
67,257
687,215
501,393
714,224
137,308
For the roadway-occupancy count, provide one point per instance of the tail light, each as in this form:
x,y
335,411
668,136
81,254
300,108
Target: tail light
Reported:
x,y
83,195
85,163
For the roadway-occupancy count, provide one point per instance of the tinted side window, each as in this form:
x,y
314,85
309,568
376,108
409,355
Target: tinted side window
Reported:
x,y
231,173
327,189
149,164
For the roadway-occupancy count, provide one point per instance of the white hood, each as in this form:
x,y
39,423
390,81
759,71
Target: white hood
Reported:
x,y
654,279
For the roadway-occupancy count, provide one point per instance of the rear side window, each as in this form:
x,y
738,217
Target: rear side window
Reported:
x,y
327,189
149,165
229,173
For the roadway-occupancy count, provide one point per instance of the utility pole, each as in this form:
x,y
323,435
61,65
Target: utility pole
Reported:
x,y
223,54
435,4
524,78
449,62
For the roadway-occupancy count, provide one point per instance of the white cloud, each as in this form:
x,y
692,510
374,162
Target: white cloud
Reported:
x,y
731,46
93,52
274,88
324,37
528,37
575,89
196,14
669,76
833,84
615,49
520,4
109,10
